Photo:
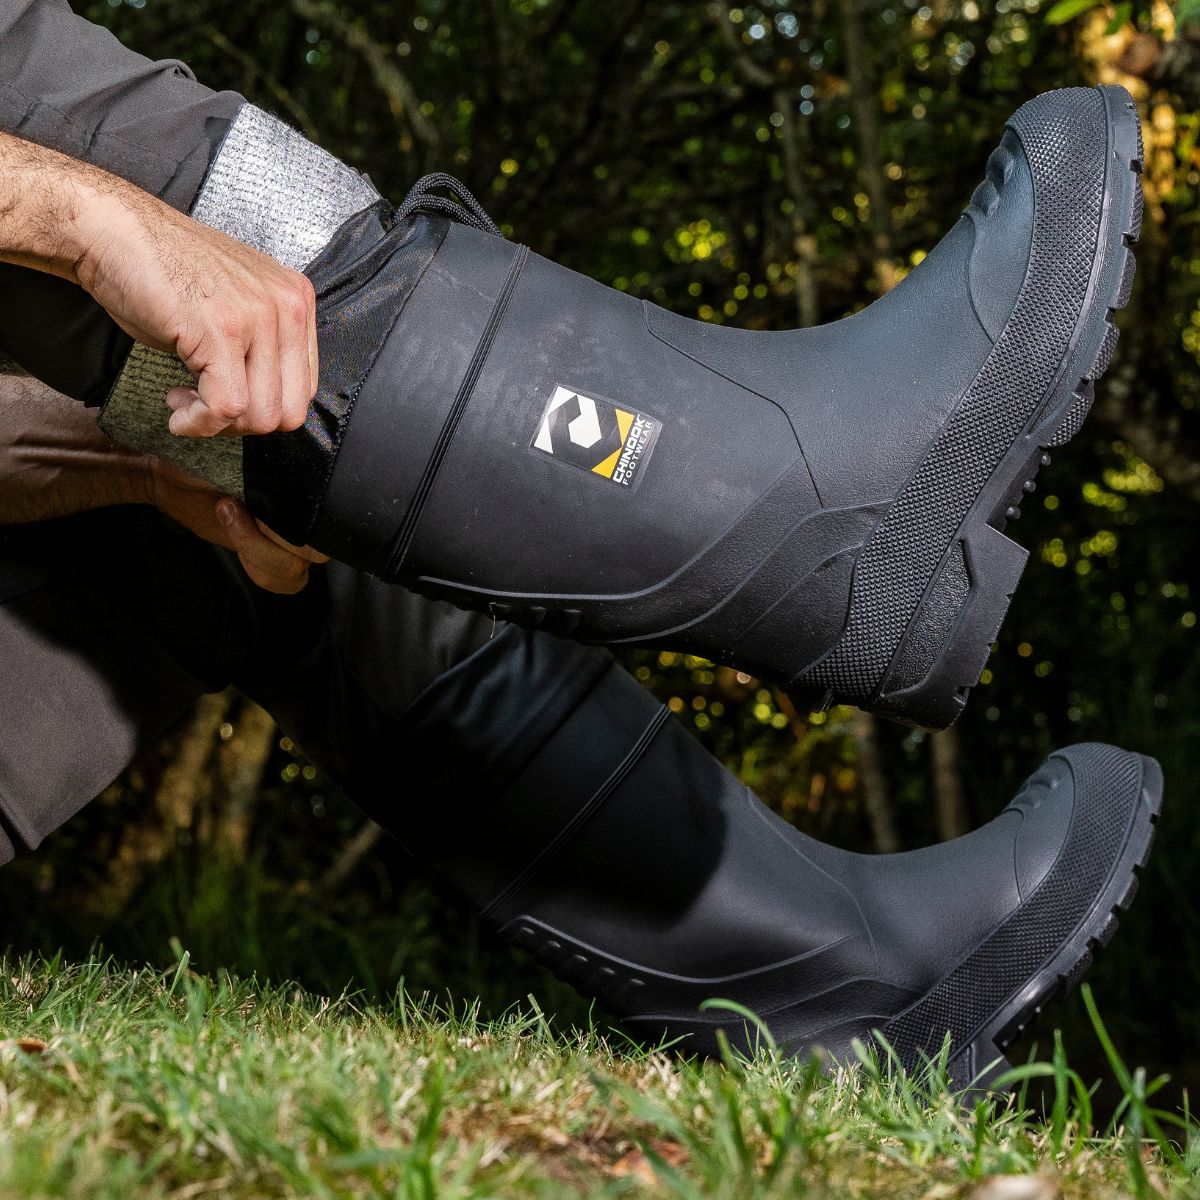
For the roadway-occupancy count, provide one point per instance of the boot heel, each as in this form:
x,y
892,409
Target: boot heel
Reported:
x,y
948,641
977,1069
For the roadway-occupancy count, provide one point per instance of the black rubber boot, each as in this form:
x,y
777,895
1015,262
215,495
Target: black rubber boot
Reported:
x,y
596,833
820,507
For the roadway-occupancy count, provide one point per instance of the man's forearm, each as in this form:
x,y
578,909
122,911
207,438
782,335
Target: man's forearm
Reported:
x,y
243,324
50,207
54,461
72,86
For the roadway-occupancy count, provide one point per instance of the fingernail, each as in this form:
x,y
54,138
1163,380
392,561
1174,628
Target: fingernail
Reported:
x,y
225,513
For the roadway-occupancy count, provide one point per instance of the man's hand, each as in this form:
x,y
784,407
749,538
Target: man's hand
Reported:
x,y
244,325
55,461
266,558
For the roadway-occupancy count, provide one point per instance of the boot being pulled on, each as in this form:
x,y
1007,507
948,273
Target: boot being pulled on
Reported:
x,y
822,508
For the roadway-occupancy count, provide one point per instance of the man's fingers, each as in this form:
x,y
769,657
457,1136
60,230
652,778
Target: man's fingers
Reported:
x,y
181,397
295,362
270,581
269,564
314,358
193,418
264,379
307,552
244,324
221,397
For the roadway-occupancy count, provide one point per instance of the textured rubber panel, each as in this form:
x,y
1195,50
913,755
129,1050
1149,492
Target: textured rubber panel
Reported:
x,y
933,623
1043,948
1073,191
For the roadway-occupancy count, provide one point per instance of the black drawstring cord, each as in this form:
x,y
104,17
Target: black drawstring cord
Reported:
x,y
464,207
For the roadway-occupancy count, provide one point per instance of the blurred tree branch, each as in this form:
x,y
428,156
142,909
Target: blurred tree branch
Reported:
x,y
864,97
349,856
402,98
177,799
254,69
873,783
241,761
752,72
948,792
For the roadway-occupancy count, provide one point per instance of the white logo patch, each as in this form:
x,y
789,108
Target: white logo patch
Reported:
x,y
599,436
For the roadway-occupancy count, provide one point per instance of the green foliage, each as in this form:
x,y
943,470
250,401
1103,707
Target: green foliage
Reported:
x,y
1121,16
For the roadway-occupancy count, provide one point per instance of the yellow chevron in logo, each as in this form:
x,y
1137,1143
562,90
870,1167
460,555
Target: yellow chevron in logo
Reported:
x,y
624,424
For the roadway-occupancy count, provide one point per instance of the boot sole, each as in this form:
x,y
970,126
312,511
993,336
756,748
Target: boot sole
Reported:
x,y
977,577
1002,978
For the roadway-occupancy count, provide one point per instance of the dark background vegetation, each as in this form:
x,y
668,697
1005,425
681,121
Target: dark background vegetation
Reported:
x,y
764,165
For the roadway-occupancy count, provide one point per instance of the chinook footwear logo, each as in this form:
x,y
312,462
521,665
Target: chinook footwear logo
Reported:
x,y
597,436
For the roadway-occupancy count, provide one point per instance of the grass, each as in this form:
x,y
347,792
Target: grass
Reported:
x,y
118,1083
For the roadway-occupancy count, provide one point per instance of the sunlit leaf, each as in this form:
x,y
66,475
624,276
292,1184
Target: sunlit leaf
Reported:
x,y
1065,10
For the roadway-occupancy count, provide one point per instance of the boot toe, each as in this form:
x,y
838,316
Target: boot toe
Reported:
x,y
1046,944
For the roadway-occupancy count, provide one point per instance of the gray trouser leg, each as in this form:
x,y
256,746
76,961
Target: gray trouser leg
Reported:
x,y
70,85
98,659
112,623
